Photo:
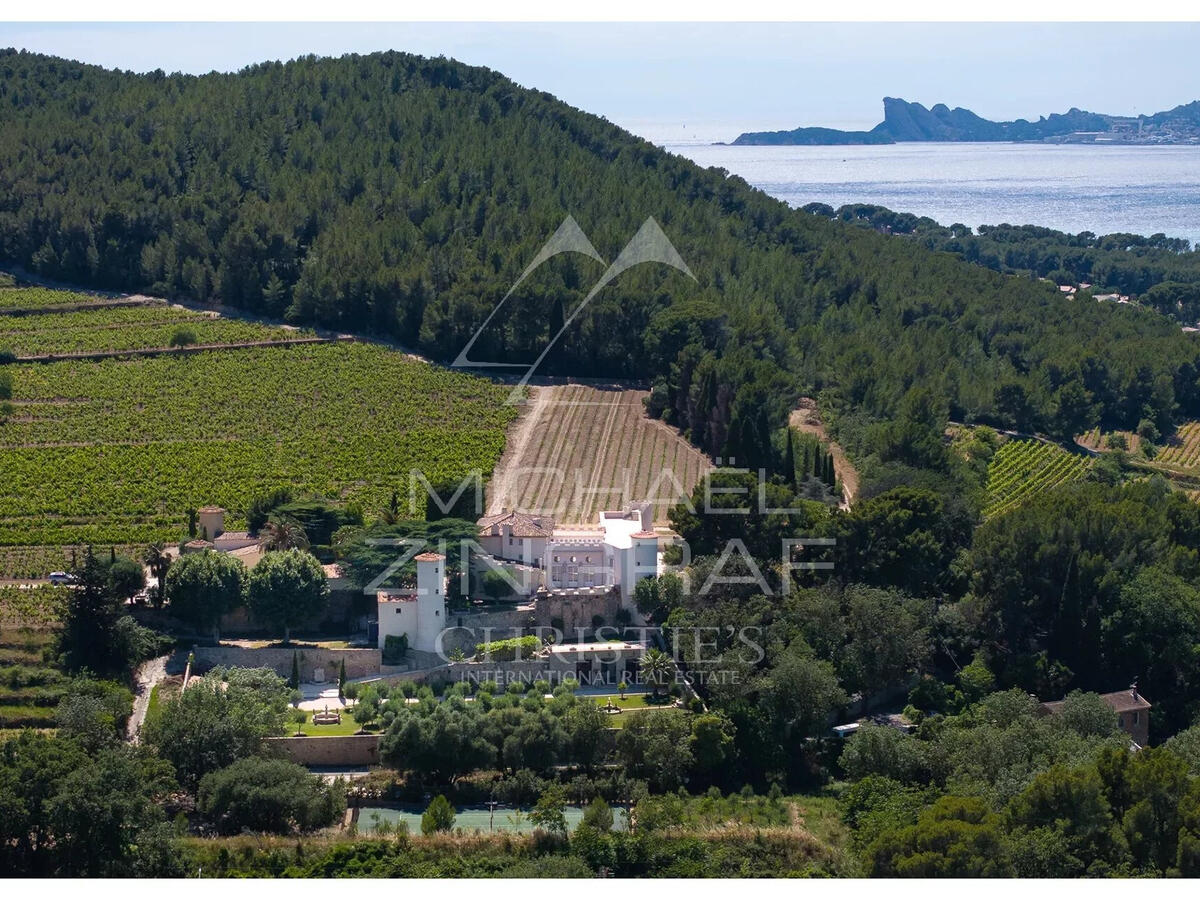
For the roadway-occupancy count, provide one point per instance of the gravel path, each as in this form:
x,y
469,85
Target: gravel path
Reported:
x,y
148,675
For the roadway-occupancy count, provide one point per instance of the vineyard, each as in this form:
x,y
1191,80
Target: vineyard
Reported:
x,y
1182,451
1023,469
108,328
116,451
41,298
579,450
30,689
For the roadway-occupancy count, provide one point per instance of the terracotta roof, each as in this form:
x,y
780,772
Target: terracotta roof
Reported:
x,y
392,597
198,545
522,525
644,534
1126,701
210,509
429,557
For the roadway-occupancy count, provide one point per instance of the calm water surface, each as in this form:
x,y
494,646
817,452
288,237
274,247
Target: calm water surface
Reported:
x,y
1072,188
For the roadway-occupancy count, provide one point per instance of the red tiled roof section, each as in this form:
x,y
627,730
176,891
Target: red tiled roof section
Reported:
x,y
642,535
522,525
429,557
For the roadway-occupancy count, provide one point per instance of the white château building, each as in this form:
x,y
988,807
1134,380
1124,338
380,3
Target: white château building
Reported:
x,y
618,554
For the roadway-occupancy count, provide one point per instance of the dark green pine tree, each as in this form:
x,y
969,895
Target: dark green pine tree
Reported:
x,y
789,461
275,295
557,318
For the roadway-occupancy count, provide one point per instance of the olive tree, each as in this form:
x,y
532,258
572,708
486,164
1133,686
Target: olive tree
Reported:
x,y
202,587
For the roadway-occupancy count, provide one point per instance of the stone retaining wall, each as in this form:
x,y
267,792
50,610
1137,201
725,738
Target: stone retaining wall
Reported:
x,y
360,662
347,750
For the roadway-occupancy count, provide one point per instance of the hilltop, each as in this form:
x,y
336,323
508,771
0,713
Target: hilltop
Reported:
x,y
401,196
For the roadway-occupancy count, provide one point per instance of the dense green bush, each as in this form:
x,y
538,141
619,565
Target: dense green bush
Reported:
x,y
509,649
269,795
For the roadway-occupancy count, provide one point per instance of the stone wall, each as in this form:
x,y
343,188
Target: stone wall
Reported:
x,y
347,750
360,662
572,613
575,612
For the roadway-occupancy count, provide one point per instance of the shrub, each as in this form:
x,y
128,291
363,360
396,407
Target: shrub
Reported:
x,y
183,337
598,815
395,648
495,585
438,817
509,649
268,795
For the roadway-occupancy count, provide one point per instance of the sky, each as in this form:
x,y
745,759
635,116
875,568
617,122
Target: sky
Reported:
x,y
709,82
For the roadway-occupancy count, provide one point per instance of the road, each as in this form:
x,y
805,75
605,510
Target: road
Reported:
x,y
149,674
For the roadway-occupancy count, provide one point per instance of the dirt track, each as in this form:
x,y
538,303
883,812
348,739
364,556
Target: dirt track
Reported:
x,y
807,419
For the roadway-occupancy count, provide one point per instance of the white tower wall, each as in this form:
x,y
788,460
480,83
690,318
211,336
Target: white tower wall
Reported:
x,y
431,600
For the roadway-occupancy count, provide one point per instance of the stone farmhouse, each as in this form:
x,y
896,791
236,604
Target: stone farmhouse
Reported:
x,y
1132,709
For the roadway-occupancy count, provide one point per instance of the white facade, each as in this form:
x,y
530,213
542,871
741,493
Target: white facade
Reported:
x,y
622,551
420,614
210,522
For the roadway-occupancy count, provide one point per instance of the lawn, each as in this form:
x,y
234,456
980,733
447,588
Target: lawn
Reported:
x,y
633,703
345,727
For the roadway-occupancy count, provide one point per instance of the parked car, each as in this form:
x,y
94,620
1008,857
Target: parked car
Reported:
x,y
62,578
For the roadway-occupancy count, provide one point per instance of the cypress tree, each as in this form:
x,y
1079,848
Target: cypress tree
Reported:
x,y
294,681
342,679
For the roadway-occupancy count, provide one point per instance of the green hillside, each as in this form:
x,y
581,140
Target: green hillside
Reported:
x,y
400,195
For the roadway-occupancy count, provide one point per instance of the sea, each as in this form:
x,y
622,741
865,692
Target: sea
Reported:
x,y
1069,187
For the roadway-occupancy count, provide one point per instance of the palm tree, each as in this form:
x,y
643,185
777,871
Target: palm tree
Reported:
x,y
156,558
657,669
283,533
